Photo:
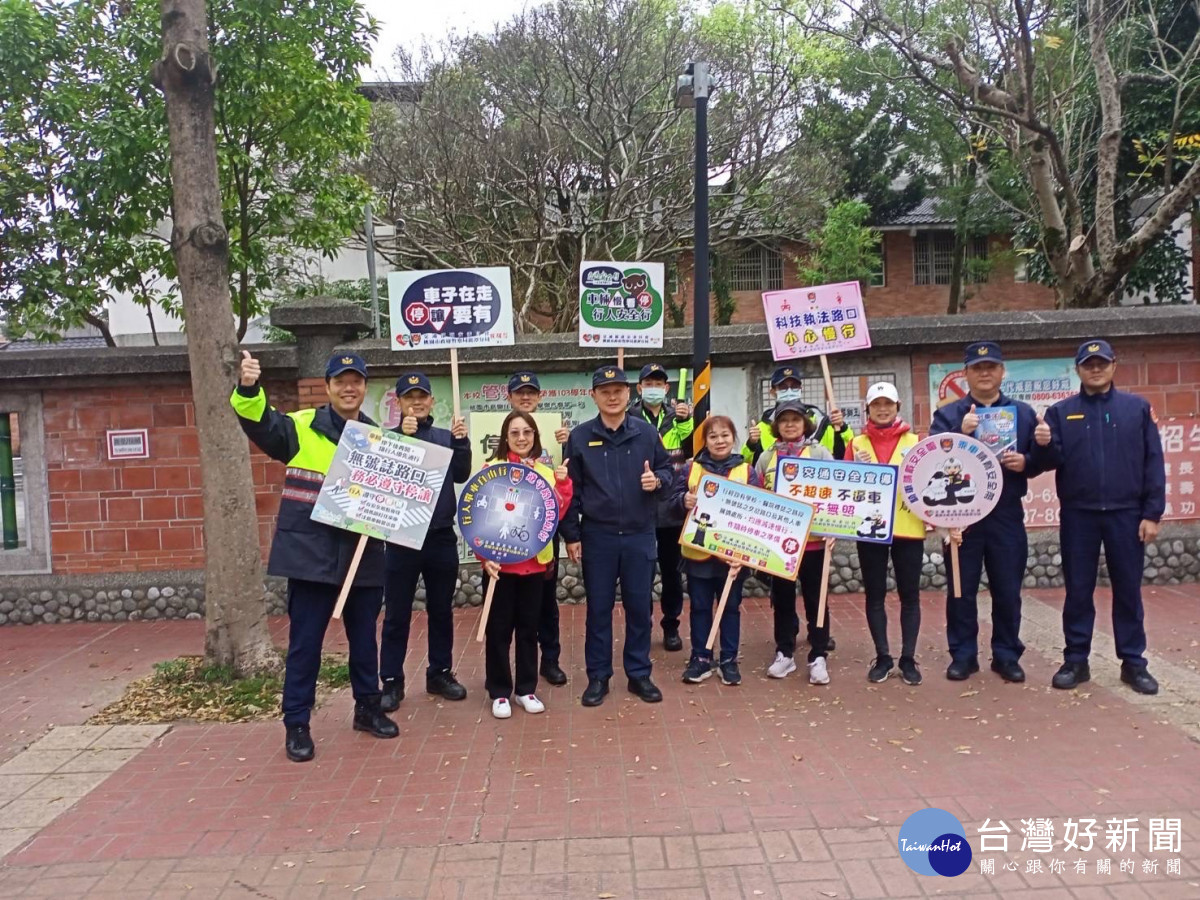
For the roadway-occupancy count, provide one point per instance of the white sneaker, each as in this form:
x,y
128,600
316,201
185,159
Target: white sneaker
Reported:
x,y
818,672
530,703
782,667
501,708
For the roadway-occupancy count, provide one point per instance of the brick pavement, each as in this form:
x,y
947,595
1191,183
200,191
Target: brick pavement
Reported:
x,y
772,789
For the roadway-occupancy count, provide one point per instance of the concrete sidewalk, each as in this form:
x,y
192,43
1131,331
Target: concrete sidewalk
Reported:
x,y
770,789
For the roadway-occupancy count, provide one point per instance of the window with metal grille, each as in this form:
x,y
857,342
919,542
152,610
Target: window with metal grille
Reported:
x,y
977,249
933,257
878,278
757,268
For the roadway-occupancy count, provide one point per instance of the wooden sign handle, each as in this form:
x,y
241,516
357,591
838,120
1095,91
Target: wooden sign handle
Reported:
x,y
620,357
720,611
454,381
824,582
350,573
832,404
957,579
487,609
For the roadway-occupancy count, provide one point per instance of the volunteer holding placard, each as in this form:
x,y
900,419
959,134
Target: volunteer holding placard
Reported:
x,y
997,542
887,438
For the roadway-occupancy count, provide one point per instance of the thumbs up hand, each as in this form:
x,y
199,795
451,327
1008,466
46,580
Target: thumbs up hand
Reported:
x,y
754,438
249,370
970,421
560,473
649,479
1041,434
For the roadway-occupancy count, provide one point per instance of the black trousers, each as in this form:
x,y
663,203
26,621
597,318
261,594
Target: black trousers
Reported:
x,y
547,629
907,558
437,562
310,607
783,602
516,605
669,558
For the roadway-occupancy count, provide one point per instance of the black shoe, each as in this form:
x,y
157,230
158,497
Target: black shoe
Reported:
x,y
1139,678
372,720
879,671
671,640
393,693
1071,674
730,673
645,688
552,673
909,671
962,669
596,691
1009,669
444,684
299,743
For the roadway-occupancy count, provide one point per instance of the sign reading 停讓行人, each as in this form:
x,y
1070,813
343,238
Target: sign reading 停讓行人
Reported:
x,y
813,321
382,484
621,304
849,499
451,308
508,513
950,480
737,523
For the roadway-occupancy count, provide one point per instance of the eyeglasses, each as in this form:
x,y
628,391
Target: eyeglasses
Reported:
x,y
524,432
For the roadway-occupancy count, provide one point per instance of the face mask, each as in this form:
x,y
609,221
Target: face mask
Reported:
x,y
654,395
786,394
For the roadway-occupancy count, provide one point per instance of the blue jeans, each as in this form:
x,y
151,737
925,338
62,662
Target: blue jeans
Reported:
x,y
704,593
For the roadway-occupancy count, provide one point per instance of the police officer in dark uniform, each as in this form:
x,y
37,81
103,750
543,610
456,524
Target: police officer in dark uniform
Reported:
x,y
619,468
673,422
524,395
436,561
1111,483
314,557
998,541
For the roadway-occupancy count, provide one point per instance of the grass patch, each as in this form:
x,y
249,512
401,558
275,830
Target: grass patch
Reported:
x,y
186,689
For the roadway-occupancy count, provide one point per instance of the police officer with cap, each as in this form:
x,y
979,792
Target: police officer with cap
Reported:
x,y
673,422
314,557
1105,446
524,395
998,541
436,561
619,469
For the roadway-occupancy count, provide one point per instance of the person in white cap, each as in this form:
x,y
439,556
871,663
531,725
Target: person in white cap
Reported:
x,y
886,439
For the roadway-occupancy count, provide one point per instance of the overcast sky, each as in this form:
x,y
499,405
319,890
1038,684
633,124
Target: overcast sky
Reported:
x,y
408,22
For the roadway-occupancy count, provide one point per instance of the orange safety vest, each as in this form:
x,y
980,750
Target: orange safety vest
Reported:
x,y
739,473
905,524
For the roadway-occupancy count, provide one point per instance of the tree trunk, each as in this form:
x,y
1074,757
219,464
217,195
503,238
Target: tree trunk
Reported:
x,y
236,619
955,305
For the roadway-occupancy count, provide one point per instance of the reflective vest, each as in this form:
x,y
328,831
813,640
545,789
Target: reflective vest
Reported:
x,y
905,524
739,473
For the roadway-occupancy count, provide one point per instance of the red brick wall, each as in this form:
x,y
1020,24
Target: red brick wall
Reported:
x,y
137,514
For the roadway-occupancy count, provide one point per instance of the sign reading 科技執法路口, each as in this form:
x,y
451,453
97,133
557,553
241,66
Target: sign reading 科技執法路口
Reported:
x,y
815,321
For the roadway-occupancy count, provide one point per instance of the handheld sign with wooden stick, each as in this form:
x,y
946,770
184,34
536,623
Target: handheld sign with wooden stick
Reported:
x,y
382,485
951,481
507,513
621,304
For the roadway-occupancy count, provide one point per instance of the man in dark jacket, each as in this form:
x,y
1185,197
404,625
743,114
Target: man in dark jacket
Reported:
x,y
620,469
315,557
998,541
436,561
673,422
1111,483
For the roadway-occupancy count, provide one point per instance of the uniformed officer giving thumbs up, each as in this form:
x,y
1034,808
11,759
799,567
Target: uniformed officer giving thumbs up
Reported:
x,y
314,557
619,467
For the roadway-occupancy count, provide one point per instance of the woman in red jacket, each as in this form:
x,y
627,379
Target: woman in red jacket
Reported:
x,y
516,603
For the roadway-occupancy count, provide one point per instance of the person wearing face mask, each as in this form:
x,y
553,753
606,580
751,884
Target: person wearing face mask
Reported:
x,y
517,599
706,574
794,435
886,439
436,562
672,420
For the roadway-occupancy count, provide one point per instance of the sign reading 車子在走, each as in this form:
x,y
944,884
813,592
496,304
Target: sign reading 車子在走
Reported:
x,y
451,308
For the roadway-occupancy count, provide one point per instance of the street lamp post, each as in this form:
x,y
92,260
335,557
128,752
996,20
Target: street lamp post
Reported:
x,y
691,92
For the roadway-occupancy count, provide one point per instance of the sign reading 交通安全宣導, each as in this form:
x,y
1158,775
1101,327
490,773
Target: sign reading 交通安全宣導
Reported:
x,y
451,308
850,499
508,513
621,304
382,484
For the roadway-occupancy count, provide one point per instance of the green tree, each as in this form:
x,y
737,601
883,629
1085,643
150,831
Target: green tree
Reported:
x,y
843,249
84,201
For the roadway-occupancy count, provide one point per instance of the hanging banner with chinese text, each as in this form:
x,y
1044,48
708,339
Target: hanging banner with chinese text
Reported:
x,y
950,480
621,304
451,308
812,321
849,499
382,484
738,523
508,513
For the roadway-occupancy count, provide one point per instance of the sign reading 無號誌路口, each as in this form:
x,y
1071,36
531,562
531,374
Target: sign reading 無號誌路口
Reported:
x,y
621,304
451,308
383,485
